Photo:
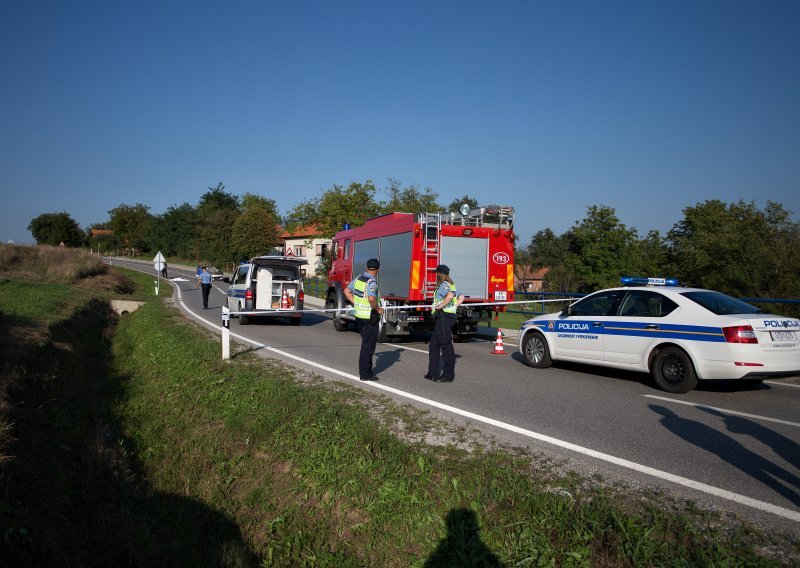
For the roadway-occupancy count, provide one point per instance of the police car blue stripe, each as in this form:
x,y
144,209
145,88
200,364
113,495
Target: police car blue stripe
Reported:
x,y
636,329
688,332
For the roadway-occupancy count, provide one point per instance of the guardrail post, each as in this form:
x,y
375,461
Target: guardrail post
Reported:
x,y
226,333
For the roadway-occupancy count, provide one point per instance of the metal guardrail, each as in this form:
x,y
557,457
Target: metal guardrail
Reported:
x,y
536,297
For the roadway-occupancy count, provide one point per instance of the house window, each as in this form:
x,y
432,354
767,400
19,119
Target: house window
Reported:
x,y
322,249
299,250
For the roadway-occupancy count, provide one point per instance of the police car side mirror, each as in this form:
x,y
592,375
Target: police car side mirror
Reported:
x,y
226,279
567,311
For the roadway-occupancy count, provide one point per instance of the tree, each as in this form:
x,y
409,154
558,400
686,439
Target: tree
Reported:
x,y
131,225
255,231
216,199
547,250
602,249
410,199
250,200
55,228
654,256
175,231
217,211
738,249
335,207
456,203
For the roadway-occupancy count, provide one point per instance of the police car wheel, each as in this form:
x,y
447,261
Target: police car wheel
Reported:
x,y
673,371
535,351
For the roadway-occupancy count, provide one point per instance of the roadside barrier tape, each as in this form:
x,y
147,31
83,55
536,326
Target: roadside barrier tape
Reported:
x,y
422,308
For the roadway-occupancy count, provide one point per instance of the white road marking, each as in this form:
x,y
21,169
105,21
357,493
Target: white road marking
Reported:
x,y
709,489
410,348
725,411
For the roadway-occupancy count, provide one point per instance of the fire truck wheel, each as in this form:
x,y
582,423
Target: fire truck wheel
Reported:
x,y
330,304
383,337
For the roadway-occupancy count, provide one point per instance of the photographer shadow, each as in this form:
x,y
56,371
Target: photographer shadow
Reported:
x,y
463,545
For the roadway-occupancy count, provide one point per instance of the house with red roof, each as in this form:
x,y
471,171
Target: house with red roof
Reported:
x,y
307,241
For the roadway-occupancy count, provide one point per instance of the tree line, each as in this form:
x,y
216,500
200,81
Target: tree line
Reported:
x,y
223,227
737,248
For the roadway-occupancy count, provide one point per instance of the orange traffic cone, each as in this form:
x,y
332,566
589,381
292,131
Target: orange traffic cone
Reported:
x,y
498,344
285,300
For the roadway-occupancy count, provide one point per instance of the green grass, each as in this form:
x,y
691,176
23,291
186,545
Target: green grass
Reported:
x,y
311,477
45,303
515,318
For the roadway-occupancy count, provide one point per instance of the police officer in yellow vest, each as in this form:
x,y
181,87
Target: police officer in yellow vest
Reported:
x,y
363,294
446,300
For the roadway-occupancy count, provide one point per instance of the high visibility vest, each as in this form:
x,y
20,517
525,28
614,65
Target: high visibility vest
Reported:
x,y
363,308
450,308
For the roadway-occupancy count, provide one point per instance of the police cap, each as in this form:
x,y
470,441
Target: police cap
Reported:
x,y
443,268
373,264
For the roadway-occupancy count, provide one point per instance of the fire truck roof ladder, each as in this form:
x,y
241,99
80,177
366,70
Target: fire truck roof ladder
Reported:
x,y
430,247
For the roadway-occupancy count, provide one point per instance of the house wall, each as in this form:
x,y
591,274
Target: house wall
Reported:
x,y
314,259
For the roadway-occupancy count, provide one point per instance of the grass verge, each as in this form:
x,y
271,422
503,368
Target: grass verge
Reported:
x,y
311,476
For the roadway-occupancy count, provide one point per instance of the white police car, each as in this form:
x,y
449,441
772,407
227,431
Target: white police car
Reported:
x,y
678,335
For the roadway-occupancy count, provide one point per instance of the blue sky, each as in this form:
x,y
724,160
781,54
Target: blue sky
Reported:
x,y
550,107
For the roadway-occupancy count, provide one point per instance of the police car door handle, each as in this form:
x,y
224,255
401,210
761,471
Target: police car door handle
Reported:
x,y
653,326
597,324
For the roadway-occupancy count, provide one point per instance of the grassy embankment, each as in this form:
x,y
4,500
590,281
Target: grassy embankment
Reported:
x,y
141,447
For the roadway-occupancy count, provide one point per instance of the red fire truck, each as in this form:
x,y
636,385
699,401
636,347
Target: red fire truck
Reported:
x,y
476,243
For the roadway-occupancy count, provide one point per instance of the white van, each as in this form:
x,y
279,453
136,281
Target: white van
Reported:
x,y
269,285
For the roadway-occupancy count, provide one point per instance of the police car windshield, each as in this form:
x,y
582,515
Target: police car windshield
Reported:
x,y
720,304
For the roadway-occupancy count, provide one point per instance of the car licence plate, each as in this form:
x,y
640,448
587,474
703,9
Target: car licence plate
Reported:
x,y
782,335
499,296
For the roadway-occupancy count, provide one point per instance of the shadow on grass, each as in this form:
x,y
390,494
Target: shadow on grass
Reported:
x,y
72,495
463,545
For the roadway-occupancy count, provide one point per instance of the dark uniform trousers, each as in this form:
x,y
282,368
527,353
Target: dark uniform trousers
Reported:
x,y
369,339
442,340
206,291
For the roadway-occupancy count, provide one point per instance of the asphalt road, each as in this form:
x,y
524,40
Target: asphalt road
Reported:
x,y
727,447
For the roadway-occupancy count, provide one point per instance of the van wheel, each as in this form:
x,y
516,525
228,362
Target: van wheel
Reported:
x,y
243,320
673,371
535,351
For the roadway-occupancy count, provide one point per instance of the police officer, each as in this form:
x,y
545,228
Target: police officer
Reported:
x,y
446,300
363,294
205,285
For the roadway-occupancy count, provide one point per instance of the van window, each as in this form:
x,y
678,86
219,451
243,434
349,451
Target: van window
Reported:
x,y
241,274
